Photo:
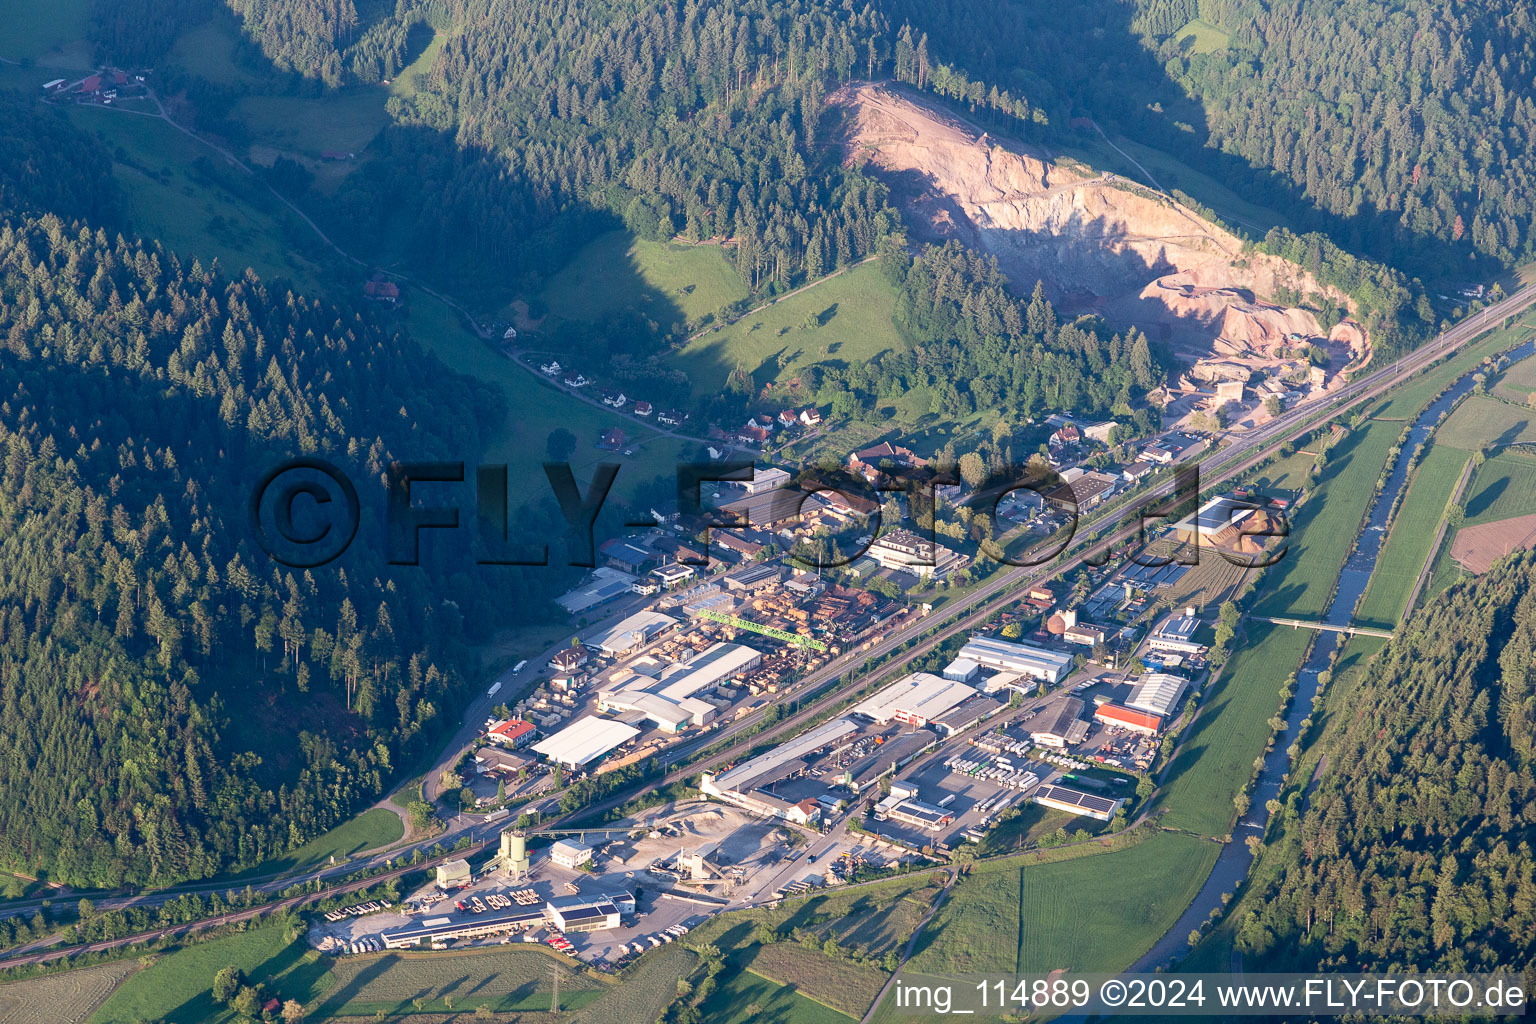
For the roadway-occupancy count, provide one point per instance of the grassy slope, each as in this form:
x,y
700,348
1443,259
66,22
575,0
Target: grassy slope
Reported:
x,y
738,991
1503,486
32,29
1204,37
536,410
202,210
1403,555
855,311
368,831
177,988
506,979
617,271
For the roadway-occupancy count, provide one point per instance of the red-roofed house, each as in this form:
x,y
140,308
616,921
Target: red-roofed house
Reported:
x,y
513,733
1129,718
1068,434
382,291
271,1006
788,418
804,812
570,659
642,408
90,84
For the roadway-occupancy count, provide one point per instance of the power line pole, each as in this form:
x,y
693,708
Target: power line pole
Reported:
x,y
554,1003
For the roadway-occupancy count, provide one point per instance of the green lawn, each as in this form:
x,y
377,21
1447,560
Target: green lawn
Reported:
x,y
1502,487
187,197
177,988
536,409
368,831
739,992
853,324
1200,36
1406,550
667,282
33,30
1487,422
1092,913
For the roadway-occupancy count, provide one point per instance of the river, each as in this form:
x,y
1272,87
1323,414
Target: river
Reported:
x,y
1235,859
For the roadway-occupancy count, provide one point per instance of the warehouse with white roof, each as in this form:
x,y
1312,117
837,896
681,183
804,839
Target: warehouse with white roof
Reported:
x,y
585,740
915,700
631,633
768,768
1025,658
1157,692
669,697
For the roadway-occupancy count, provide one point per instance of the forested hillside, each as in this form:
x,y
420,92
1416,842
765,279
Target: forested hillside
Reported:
x,y
174,702
1403,131
1416,848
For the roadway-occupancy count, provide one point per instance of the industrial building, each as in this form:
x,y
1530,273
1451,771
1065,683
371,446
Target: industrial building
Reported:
x,y
1217,522
631,633
962,670
1176,635
1157,693
605,584
453,874
669,698
754,577
1025,658
915,700
1075,801
1060,724
570,854
567,914
736,785
911,811
585,740
1120,717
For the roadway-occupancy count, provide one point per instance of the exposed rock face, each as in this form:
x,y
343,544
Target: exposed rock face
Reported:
x,y
1099,243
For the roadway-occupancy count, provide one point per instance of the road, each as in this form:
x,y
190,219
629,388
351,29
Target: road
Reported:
x,y
968,612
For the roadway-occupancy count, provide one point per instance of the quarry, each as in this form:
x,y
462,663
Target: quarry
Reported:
x,y
1104,245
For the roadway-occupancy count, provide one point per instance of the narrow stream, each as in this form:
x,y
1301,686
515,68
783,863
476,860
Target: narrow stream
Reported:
x,y
1235,859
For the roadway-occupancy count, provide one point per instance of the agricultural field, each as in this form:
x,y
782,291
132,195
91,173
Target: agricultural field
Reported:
x,y
848,988
1487,422
743,997
1200,36
840,320
1407,547
183,194
178,987
506,979
67,998
1502,487
1300,584
1016,916
664,281
1216,752
368,831
1518,383
644,990
540,409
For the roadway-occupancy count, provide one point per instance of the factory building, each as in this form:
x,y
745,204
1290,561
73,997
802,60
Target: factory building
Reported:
x,y
453,874
1024,658
585,740
1218,521
570,854
1157,693
631,633
1176,635
1077,802
1060,724
915,700
740,785
1119,717
567,914
669,698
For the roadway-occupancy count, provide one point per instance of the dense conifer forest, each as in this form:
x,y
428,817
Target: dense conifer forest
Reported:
x,y
1420,851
